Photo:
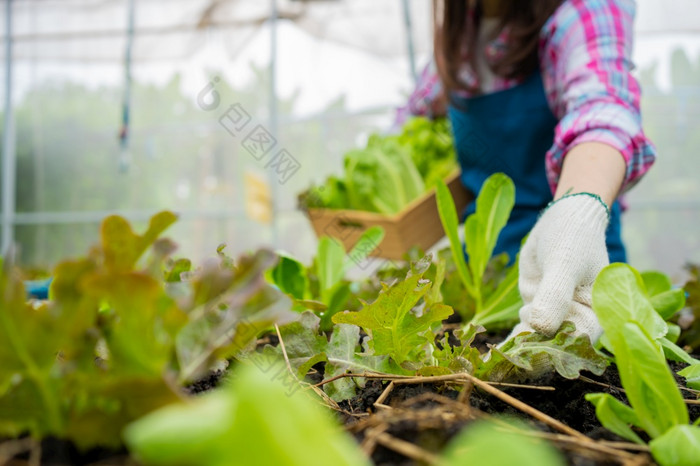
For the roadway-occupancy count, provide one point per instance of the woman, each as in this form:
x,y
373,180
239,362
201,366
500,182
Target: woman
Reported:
x,y
541,90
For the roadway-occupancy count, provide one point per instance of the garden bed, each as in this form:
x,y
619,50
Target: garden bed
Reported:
x,y
131,355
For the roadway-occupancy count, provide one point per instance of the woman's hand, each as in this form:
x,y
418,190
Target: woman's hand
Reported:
x,y
559,263
566,249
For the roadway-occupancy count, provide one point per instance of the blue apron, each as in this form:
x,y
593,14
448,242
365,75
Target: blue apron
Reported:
x,y
510,131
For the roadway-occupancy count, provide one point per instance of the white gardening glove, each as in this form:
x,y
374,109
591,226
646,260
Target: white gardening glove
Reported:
x,y
558,265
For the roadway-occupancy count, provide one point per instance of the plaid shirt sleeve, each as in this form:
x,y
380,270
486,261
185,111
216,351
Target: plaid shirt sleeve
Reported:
x,y
585,55
428,88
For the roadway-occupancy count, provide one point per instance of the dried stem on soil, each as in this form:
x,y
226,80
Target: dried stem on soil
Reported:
x,y
407,449
577,437
378,428
605,450
424,379
370,442
550,421
328,401
11,448
366,375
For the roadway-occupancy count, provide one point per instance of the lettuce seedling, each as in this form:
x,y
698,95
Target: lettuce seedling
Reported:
x,y
481,231
390,171
529,354
306,346
679,446
322,287
634,329
391,323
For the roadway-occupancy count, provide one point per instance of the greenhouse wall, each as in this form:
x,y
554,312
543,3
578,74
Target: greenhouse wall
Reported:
x,y
316,78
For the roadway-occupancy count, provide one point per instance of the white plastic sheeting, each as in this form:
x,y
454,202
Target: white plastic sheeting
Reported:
x,y
340,68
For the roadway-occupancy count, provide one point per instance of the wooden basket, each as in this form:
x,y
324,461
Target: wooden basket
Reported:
x,y
418,224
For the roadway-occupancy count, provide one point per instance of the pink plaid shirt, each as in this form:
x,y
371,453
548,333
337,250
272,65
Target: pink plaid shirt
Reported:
x,y
585,60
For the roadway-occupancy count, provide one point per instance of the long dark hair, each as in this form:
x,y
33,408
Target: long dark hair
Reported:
x,y
456,33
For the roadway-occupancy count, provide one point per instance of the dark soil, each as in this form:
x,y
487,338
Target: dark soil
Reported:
x,y
430,426
207,383
427,415
58,452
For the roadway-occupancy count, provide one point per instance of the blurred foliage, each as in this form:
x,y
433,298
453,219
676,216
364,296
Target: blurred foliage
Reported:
x,y
123,332
252,419
690,336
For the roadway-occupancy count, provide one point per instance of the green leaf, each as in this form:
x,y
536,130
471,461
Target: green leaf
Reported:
x,y
368,242
135,344
234,309
450,223
615,416
648,381
176,270
565,353
656,282
330,261
337,298
502,306
102,405
53,384
253,419
122,247
306,346
30,395
394,329
669,302
489,444
381,178
675,352
674,332
434,295
619,296
482,228
692,376
460,358
289,275
343,356
664,298
679,446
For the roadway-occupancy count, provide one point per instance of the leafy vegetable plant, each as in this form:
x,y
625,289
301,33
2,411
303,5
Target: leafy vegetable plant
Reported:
x,y
390,171
120,331
381,178
481,230
635,333
393,328
529,354
323,286
307,346
400,325
430,145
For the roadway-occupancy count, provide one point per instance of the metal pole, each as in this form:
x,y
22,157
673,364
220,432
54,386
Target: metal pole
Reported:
x,y
9,155
273,114
409,38
124,157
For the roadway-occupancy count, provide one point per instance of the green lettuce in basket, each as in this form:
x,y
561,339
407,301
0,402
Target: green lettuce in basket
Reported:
x,y
390,172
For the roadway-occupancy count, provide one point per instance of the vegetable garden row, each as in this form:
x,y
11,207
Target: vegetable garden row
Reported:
x,y
141,357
